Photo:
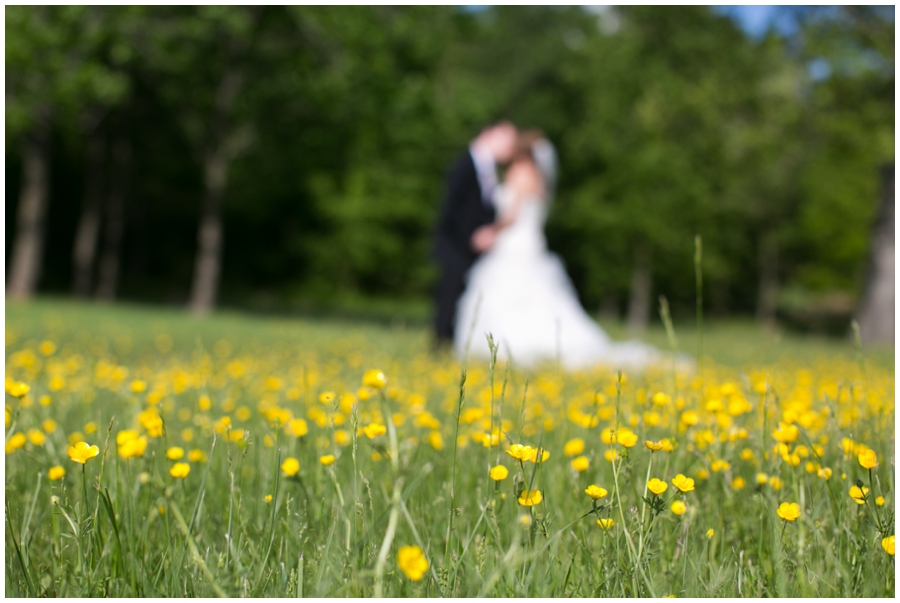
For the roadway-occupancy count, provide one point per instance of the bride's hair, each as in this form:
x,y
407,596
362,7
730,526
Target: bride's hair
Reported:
x,y
525,144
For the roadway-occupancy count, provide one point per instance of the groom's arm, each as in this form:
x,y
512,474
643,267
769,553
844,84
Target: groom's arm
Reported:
x,y
459,220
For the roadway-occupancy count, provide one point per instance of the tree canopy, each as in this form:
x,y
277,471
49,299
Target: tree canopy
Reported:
x,y
335,126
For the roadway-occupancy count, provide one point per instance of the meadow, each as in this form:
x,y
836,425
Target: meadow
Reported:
x,y
152,454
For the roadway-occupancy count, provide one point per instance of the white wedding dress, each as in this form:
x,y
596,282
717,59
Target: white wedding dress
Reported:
x,y
519,292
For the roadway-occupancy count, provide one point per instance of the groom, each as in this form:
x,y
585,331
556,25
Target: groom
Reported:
x,y
465,228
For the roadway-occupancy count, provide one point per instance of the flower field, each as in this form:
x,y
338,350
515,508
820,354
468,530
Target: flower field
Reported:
x,y
150,455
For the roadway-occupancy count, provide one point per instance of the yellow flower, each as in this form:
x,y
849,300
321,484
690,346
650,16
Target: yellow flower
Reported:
x,y
690,418
47,348
888,545
653,446
196,456
761,478
267,498
290,466
859,494
18,389
138,386
606,523
595,492
224,424
373,430
627,438
434,438
36,437
710,533
374,379
573,447
327,460
56,473
125,435
296,428
82,452
684,484
133,447
580,463
49,425
524,519
678,507
867,459
720,465
175,453
529,498
152,422
775,482
657,486
608,436
180,470
521,452
879,501
786,434
738,483
825,473
788,511
499,473
611,455
412,562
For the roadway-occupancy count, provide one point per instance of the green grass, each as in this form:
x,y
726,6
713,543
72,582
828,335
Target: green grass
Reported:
x,y
128,528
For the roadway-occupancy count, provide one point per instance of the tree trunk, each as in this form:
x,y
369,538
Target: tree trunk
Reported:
x,y
140,244
27,250
111,260
88,231
767,302
227,145
639,297
208,263
876,313
608,308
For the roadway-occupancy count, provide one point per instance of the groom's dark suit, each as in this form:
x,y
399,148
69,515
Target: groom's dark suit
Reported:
x,y
465,209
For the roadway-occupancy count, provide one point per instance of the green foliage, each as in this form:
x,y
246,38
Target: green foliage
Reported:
x,y
341,122
58,61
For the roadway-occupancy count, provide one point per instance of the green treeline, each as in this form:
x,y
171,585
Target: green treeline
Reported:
x,y
264,155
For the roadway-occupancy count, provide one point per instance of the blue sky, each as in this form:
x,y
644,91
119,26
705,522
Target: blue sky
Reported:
x,y
754,19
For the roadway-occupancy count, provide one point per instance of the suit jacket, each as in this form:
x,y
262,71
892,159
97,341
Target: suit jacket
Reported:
x,y
463,212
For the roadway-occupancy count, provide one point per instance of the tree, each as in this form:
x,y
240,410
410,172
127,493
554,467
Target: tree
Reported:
x,y
197,58
876,312
52,71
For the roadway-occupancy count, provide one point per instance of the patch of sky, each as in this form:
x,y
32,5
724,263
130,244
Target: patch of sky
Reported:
x,y
756,20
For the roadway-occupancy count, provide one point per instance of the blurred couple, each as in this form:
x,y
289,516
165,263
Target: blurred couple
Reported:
x,y
497,275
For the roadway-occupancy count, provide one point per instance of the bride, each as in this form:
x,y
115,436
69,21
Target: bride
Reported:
x,y
519,291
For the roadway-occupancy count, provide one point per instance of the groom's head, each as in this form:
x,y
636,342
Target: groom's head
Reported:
x,y
500,138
